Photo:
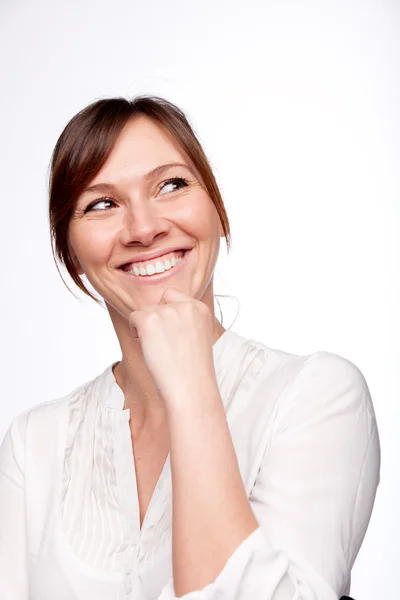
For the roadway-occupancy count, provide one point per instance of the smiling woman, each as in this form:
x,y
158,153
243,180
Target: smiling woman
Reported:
x,y
202,464
86,144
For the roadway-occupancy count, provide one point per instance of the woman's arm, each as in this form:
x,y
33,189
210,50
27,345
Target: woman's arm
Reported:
x,y
312,499
13,568
211,512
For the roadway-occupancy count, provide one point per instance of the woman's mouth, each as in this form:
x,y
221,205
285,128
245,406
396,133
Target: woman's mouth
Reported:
x,y
156,270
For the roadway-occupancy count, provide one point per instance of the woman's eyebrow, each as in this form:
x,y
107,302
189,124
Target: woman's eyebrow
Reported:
x,y
109,187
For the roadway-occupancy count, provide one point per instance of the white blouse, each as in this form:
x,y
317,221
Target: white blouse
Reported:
x,y
307,444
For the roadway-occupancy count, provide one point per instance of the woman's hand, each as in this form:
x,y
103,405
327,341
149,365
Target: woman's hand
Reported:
x,y
176,339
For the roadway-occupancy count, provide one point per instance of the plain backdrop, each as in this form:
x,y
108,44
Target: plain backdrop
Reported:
x,y
297,106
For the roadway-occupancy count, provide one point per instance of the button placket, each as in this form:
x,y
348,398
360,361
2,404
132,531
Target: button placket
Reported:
x,y
128,572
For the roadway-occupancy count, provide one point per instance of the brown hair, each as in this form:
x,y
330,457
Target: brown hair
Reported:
x,y
84,146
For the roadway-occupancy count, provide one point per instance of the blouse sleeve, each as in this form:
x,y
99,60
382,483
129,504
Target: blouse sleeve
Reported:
x,y
13,568
313,495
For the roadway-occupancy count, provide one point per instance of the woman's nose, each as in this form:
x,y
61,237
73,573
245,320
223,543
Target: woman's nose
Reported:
x,y
142,224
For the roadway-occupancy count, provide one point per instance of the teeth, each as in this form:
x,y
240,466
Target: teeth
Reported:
x,y
159,267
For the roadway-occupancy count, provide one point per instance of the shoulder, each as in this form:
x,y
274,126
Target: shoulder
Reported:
x,y
318,370
313,384
329,368
42,420
333,377
327,390
316,365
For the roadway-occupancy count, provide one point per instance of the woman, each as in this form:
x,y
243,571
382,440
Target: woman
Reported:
x,y
202,464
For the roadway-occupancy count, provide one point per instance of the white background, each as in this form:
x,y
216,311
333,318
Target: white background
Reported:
x,y
297,106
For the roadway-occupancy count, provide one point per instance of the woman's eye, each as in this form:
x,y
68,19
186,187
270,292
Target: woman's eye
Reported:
x,y
95,203
180,182
171,185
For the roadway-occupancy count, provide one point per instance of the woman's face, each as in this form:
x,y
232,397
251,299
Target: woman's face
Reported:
x,y
133,211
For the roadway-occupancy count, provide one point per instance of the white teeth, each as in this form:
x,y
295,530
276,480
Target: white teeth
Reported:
x,y
159,267
150,269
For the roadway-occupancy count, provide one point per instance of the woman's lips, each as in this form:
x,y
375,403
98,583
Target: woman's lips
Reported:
x,y
158,277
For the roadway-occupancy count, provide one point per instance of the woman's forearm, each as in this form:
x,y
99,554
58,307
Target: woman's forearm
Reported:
x,y
211,513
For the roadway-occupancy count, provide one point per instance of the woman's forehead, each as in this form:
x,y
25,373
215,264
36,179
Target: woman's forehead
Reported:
x,y
142,146
142,135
